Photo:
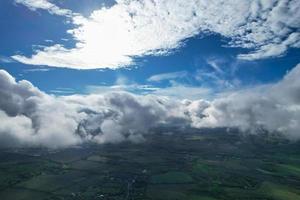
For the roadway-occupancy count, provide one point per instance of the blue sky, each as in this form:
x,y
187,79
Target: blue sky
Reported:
x,y
204,60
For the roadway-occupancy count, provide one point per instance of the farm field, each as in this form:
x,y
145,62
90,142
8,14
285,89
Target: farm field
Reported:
x,y
194,165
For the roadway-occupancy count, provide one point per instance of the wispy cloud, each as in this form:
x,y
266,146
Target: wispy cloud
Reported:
x,y
219,73
5,59
122,84
175,89
113,37
134,88
167,76
216,63
45,5
49,41
179,91
63,91
37,70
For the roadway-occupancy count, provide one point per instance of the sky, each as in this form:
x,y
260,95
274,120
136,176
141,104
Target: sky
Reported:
x,y
205,62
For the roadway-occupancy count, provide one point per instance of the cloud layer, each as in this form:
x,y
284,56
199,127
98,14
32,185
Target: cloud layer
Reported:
x,y
113,37
30,117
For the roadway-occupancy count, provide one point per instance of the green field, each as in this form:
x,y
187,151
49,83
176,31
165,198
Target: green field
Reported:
x,y
195,165
171,178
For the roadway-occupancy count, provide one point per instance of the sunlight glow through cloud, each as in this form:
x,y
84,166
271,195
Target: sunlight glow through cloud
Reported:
x,y
113,37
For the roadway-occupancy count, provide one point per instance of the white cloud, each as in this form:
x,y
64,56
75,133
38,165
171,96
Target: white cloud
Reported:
x,y
30,117
273,107
45,5
113,37
167,76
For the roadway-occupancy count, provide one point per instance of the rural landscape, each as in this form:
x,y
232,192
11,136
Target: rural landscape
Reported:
x,y
216,164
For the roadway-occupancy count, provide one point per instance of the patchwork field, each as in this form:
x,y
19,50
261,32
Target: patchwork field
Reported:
x,y
197,165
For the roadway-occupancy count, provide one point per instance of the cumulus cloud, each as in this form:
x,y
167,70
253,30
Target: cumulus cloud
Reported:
x,y
274,107
113,37
30,117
